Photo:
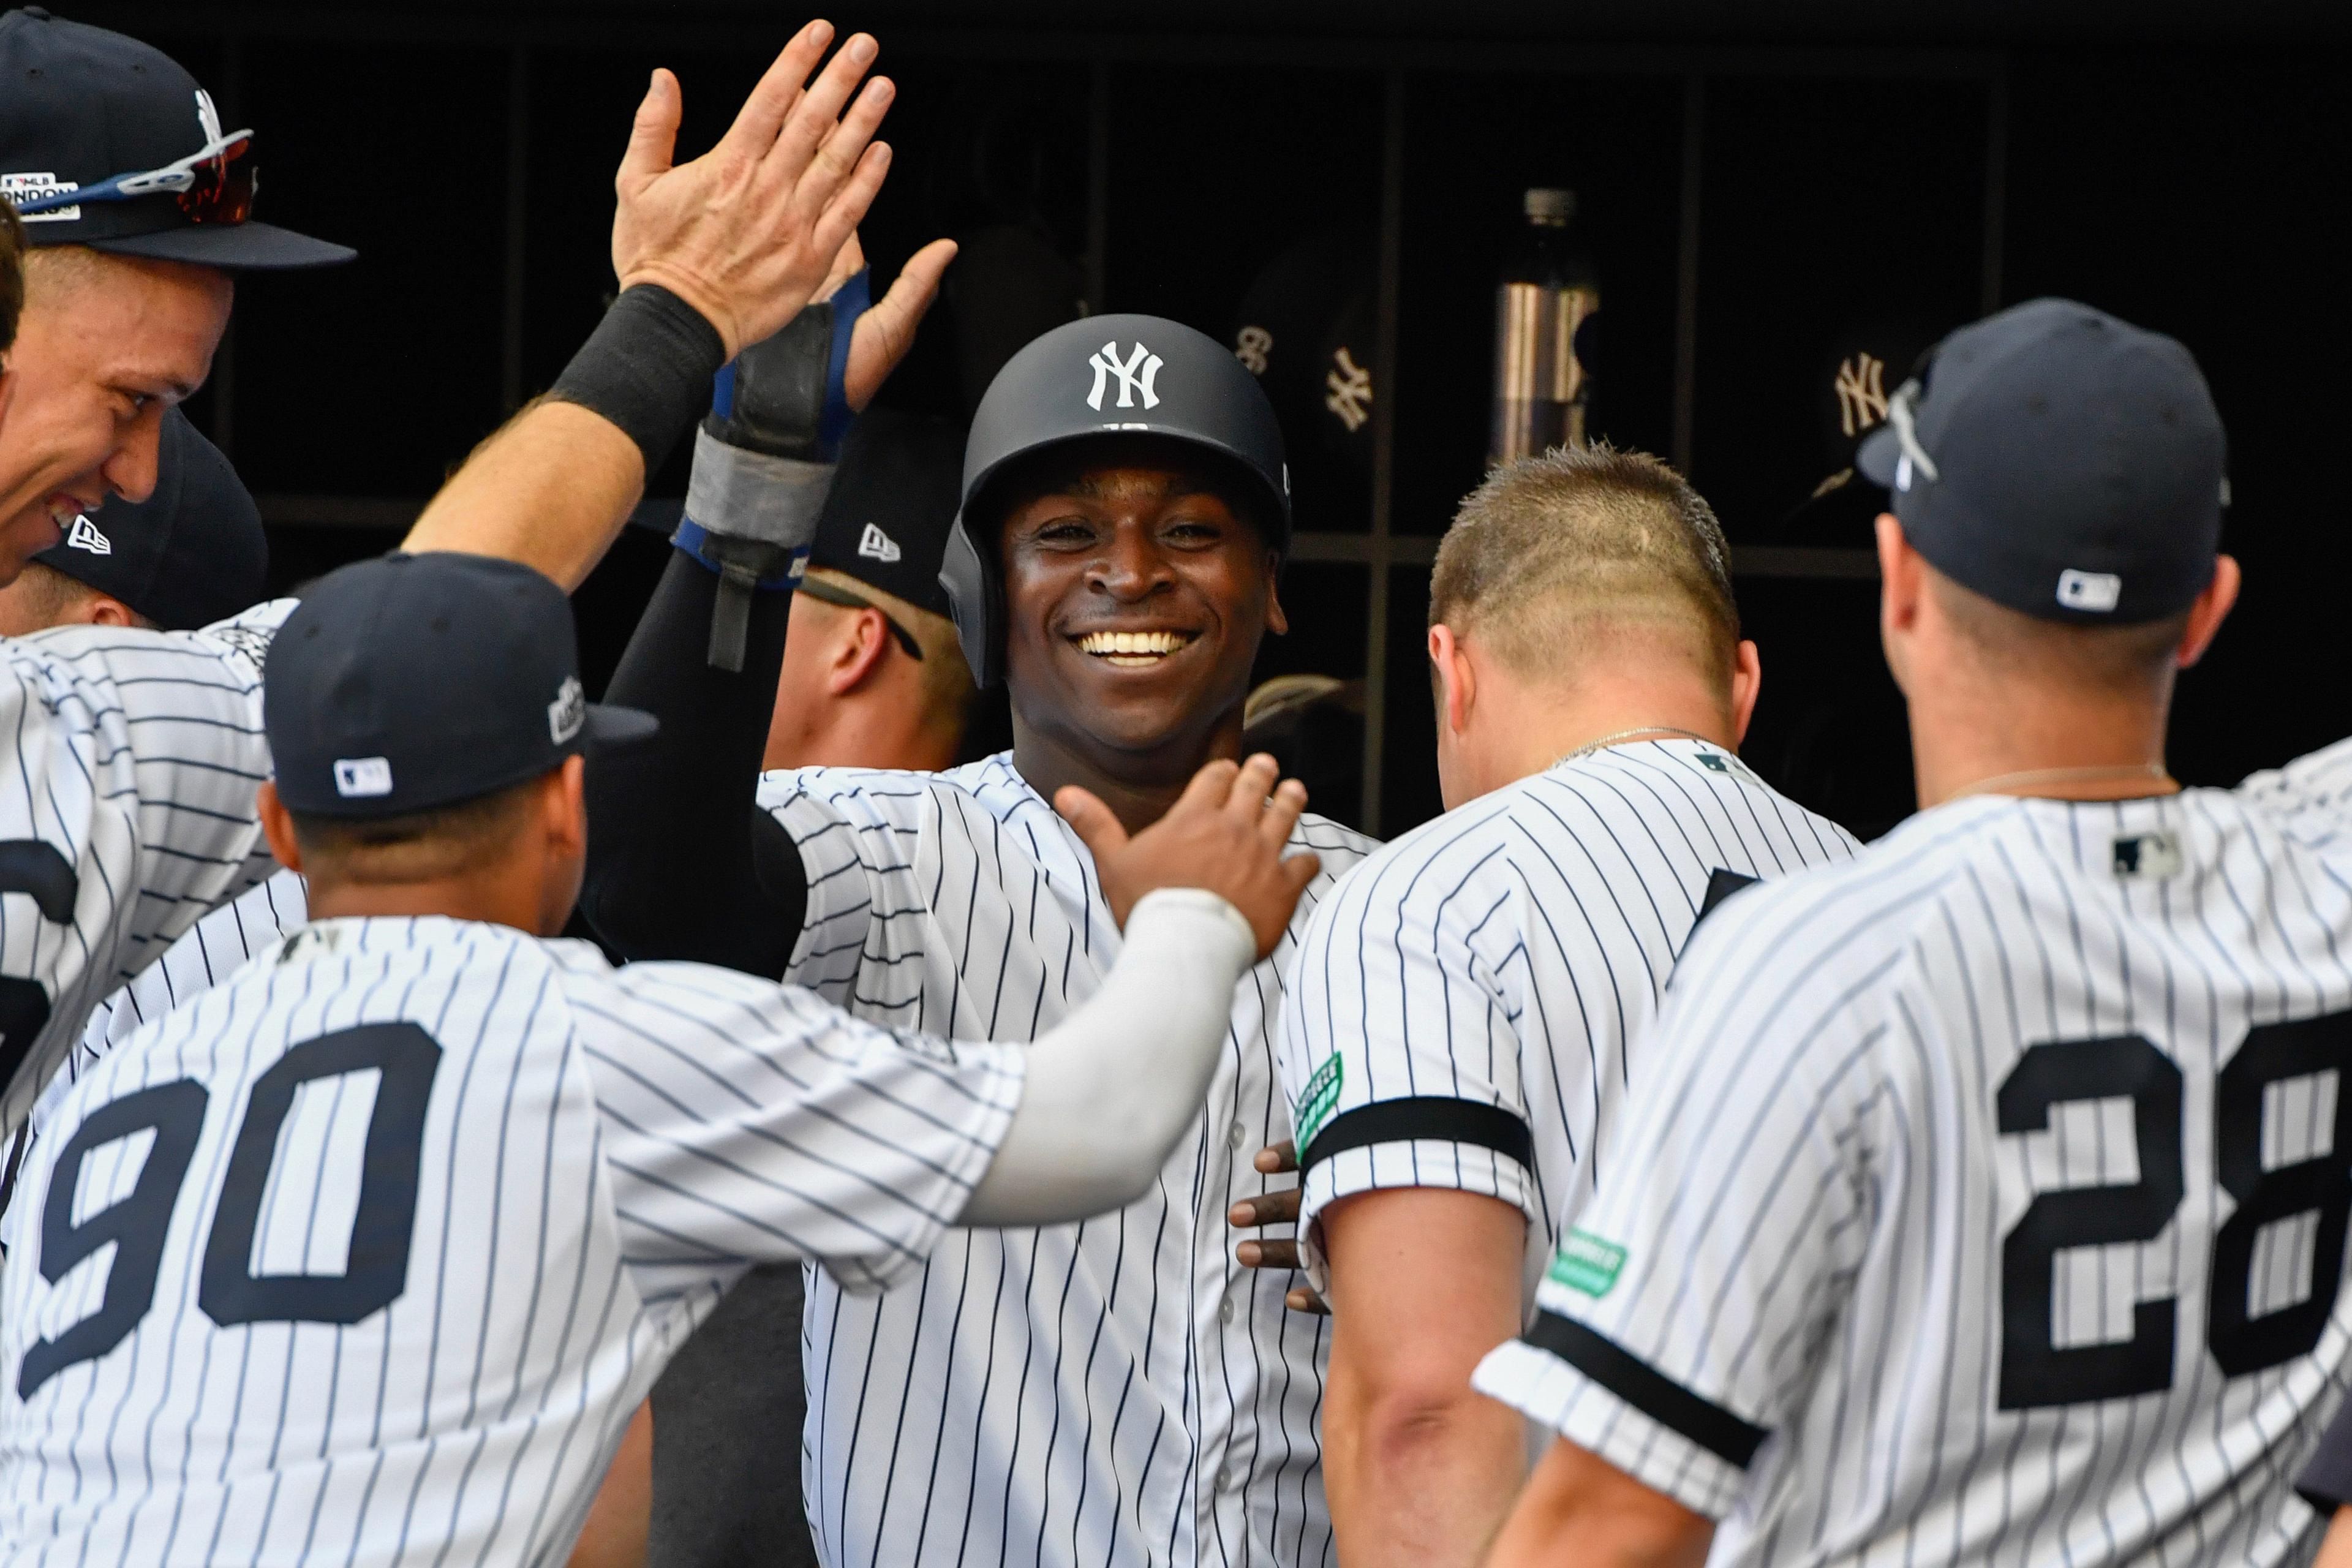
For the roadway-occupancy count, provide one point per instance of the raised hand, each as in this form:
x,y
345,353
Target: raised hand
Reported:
x,y
748,232
1226,833
886,331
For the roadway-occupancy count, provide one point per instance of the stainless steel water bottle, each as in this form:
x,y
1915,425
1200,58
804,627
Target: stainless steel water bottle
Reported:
x,y
1548,290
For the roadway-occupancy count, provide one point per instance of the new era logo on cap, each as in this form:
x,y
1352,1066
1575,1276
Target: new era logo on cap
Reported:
x,y
358,778
568,713
86,536
2095,591
877,544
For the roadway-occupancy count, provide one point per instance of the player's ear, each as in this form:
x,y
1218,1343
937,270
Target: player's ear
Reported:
x,y
1457,685
1277,621
106,610
278,826
2210,608
563,809
864,637
1746,681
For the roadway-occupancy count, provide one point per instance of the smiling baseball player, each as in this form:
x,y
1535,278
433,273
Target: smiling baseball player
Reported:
x,y
126,799
1114,1392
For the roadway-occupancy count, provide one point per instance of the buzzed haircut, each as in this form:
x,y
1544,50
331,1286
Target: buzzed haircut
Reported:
x,y
2122,661
1554,554
12,275
423,845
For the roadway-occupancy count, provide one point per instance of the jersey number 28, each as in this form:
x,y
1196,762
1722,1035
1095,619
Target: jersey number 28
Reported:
x,y
2035,1369
228,1291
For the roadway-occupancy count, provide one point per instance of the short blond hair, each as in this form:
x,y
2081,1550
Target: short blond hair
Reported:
x,y
947,686
1555,553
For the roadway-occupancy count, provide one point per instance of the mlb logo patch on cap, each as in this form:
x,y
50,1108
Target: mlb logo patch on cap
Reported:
x,y
361,778
2099,592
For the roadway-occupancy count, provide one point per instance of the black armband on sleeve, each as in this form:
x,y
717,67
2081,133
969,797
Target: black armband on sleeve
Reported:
x,y
646,367
1438,1117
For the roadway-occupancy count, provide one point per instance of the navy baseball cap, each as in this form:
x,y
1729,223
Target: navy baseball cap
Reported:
x,y
2061,462
893,499
82,107
192,553
412,682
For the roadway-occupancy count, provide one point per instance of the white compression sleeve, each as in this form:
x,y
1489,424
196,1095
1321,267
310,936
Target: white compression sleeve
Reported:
x,y
1109,1089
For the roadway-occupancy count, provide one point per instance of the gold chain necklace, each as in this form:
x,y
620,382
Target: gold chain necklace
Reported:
x,y
2001,783
1624,735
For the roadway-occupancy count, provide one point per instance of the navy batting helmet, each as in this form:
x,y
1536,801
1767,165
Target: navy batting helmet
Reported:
x,y
1104,375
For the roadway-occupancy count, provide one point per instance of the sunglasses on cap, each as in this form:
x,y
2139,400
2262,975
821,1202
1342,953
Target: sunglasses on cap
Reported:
x,y
211,184
833,594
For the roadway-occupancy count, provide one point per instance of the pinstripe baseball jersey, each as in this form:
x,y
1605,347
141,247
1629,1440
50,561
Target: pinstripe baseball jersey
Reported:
x,y
1119,1392
126,812
216,948
1461,1003
367,1255
1984,1198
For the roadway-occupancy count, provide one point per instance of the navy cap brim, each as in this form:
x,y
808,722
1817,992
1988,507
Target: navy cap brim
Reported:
x,y
1878,456
612,728
244,246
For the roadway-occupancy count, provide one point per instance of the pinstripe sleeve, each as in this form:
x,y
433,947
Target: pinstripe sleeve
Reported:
x,y
1398,1043
747,1122
1679,1323
851,857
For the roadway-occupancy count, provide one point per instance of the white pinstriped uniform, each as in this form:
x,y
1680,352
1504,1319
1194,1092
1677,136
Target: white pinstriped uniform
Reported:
x,y
366,1256
128,762
1119,1392
1985,1198
1461,1003
216,949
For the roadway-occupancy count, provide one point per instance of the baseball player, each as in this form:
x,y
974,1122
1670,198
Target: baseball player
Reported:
x,y
128,813
1983,1198
369,1252
1117,1392
1455,1034
193,553
873,677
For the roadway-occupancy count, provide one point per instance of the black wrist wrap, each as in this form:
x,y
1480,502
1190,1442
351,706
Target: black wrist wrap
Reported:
x,y
646,367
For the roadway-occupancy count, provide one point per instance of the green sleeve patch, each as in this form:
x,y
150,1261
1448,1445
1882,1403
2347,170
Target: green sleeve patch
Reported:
x,y
1322,1096
1587,1263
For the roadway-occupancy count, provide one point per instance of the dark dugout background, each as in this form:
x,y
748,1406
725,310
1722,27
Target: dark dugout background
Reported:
x,y
1770,189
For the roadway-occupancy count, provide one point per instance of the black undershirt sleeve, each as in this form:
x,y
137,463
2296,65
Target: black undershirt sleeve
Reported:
x,y
681,862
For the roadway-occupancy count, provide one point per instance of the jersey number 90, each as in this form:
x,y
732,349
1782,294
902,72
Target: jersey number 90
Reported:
x,y
2035,1369
228,1291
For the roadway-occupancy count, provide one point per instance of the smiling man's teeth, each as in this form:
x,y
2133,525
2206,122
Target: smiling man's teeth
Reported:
x,y
1132,650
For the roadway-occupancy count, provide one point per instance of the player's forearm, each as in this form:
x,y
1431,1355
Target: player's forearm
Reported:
x,y
550,490
1420,1471
1580,1509
674,862
1109,1089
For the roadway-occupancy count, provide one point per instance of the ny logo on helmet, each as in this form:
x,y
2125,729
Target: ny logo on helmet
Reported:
x,y
1136,375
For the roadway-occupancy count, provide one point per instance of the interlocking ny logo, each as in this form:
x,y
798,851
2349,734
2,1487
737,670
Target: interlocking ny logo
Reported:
x,y
1348,390
1861,393
1137,374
